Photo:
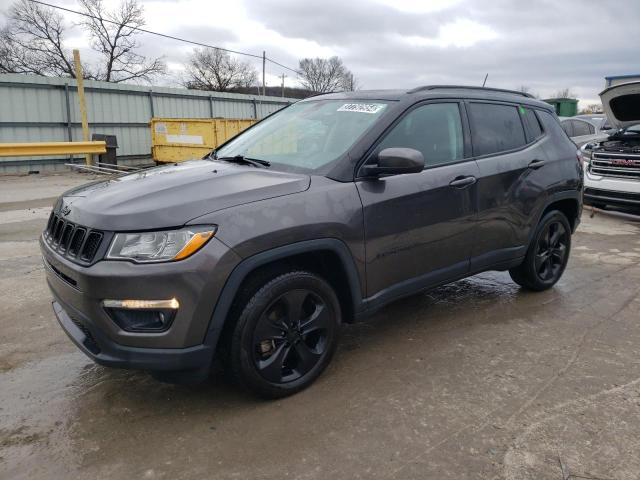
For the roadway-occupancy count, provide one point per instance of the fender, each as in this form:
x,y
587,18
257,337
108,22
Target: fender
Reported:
x,y
553,198
248,265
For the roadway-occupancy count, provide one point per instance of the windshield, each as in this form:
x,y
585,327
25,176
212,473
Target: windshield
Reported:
x,y
307,135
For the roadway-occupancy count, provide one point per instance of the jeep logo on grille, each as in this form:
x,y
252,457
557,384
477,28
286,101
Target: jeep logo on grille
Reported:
x,y
66,210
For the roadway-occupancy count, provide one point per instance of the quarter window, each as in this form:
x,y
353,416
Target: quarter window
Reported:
x,y
533,123
496,128
434,129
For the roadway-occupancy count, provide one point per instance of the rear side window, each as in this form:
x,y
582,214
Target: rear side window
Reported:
x,y
496,128
580,128
434,129
534,128
566,126
551,125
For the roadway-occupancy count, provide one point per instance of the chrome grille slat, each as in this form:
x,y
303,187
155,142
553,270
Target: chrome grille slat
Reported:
x,y
609,164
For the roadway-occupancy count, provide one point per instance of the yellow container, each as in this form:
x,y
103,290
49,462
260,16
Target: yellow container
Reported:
x,y
180,139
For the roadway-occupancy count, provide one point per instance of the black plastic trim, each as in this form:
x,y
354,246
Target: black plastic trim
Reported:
x,y
245,267
111,354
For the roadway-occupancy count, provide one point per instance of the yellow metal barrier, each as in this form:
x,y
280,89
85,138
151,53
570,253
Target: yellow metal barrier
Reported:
x,y
180,139
50,148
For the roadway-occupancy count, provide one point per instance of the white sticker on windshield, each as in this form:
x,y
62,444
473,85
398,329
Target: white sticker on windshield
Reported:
x,y
362,107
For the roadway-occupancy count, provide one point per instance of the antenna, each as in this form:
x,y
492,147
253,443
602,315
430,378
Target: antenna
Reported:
x,y
485,79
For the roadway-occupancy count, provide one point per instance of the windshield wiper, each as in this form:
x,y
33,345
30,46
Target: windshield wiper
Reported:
x,y
256,162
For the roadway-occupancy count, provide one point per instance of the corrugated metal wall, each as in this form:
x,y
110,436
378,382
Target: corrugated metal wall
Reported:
x,y
41,109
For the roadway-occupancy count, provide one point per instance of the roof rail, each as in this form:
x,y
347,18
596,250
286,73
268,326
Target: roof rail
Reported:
x,y
469,87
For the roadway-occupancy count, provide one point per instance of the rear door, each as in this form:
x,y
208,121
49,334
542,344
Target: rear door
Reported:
x,y
511,161
419,227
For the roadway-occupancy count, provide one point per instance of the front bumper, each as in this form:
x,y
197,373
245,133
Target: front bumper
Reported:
x,y
105,352
596,196
614,191
196,282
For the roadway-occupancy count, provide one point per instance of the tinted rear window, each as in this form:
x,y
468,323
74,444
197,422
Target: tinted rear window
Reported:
x,y
533,123
496,128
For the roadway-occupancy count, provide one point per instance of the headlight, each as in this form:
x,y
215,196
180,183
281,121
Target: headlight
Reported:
x,y
586,152
145,247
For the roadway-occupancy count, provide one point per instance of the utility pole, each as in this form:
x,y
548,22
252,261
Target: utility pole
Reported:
x,y
283,76
264,61
81,100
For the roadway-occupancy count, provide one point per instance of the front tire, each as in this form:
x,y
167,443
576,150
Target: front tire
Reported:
x,y
285,335
548,254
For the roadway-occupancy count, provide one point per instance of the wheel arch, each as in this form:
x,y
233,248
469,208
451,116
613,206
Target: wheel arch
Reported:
x,y
569,205
328,257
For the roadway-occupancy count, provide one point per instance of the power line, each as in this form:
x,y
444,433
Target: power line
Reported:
x,y
164,35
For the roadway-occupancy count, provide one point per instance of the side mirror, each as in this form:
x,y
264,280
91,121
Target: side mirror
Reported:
x,y
396,161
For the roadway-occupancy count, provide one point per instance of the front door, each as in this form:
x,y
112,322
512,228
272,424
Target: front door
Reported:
x,y
419,227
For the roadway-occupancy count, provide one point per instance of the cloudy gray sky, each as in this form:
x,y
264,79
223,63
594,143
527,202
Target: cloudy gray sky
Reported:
x,y
546,45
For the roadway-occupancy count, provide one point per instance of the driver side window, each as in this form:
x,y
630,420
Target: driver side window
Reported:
x,y
434,129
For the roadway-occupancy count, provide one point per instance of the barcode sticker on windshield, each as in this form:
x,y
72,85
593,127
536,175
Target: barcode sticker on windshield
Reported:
x,y
362,107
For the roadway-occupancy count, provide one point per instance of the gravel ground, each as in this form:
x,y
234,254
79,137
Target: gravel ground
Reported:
x,y
477,379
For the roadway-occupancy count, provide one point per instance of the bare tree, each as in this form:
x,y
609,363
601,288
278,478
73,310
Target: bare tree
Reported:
x,y
323,75
526,89
113,36
565,93
593,108
214,69
350,83
33,42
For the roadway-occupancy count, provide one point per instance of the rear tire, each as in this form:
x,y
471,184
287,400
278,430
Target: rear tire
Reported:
x,y
285,335
548,254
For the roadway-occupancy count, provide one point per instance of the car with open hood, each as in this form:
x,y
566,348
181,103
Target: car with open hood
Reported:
x,y
318,215
583,129
612,166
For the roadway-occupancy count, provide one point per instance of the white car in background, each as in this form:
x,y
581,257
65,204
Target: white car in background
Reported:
x,y
612,166
583,129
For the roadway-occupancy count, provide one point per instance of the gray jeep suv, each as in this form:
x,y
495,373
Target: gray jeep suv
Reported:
x,y
318,215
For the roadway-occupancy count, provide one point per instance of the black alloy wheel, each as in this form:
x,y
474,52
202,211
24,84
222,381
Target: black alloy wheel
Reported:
x,y
551,251
291,336
547,255
284,334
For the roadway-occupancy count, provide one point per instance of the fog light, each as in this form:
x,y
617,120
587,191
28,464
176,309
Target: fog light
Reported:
x,y
142,315
171,304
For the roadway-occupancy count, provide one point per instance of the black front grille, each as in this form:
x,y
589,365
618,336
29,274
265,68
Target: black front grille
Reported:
x,y
76,241
91,246
73,241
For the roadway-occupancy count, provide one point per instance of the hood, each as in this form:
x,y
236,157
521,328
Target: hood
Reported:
x,y
621,103
170,196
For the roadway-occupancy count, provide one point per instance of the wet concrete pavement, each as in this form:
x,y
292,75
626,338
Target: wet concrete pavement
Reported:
x,y
477,379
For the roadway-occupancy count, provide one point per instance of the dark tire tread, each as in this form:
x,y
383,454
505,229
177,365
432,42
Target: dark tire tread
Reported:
x,y
236,366
525,274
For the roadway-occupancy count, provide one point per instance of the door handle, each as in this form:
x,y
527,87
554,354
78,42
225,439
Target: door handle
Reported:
x,y
537,164
462,182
